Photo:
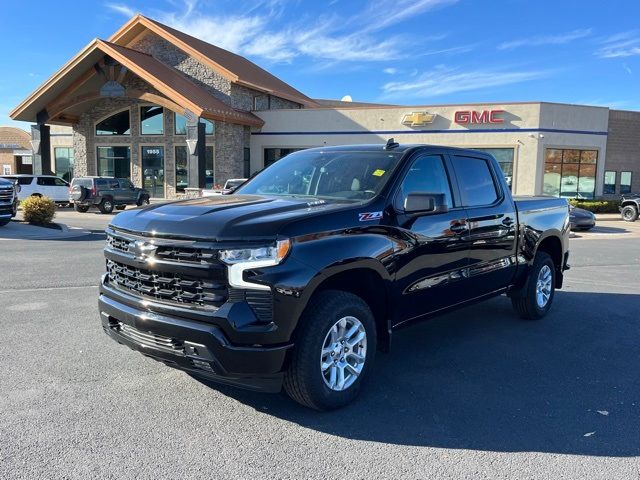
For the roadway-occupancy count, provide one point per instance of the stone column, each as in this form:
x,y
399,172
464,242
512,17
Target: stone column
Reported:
x,y
196,143
41,145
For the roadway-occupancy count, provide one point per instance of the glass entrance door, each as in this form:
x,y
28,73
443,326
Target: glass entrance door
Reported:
x,y
153,171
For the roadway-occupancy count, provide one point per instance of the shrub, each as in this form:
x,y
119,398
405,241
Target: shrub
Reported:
x,y
38,210
597,206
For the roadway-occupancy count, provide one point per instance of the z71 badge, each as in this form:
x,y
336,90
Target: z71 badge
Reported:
x,y
365,217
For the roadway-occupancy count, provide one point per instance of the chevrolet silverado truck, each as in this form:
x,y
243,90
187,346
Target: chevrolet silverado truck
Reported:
x,y
8,201
301,275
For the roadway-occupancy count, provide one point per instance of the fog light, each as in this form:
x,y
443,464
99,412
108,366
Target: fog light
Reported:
x,y
202,365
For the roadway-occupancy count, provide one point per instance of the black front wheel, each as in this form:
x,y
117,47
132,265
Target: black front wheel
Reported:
x,y
629,213
142,201
106,206
533,300
334,350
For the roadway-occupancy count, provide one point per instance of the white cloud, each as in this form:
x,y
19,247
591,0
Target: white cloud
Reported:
x,y
390,71
444,80
330,38
121,9
557,39
624,44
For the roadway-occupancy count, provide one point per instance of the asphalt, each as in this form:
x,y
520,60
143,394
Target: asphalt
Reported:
x,y
474,394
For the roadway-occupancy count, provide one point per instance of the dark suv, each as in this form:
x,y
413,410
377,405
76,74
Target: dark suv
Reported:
x,y
8,200
106,193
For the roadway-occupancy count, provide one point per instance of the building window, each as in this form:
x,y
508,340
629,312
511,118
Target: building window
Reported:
x,y
118,124
609,182
247,162
570,173
504,156
181,125
625,182
114,162
151,120
6,169
64,162
272,155
182,168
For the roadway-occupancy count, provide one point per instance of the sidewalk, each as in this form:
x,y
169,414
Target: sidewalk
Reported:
x,y
22,231
606,217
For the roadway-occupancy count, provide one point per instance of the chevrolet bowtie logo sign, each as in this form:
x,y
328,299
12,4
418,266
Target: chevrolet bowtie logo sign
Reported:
x,y
418,119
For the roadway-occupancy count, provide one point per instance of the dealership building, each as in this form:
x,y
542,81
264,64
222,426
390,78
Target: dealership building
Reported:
x,y
172,112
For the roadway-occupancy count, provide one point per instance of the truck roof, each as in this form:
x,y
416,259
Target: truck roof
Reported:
x,y
377,147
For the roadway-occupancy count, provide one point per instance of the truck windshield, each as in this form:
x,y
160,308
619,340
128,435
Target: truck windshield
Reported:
x,y
347,175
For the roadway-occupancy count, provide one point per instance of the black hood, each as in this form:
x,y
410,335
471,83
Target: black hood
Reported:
x,y
224,217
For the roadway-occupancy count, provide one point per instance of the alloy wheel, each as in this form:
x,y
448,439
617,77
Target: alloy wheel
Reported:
x,y
543,286
344,352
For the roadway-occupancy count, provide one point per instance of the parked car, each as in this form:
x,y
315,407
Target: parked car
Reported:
x,y
630,206
8,200
49,186
105,193
301,274
229,186
581,219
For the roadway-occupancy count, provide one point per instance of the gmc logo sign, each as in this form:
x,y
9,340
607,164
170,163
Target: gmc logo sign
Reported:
x,y
464,117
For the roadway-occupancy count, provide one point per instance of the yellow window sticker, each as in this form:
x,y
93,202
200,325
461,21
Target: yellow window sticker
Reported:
x,y
378,173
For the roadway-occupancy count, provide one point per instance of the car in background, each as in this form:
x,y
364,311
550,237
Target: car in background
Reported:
x,y
105,193
581,219
8,200
229,186
630,206
49,186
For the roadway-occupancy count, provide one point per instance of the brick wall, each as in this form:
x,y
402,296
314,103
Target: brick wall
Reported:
x,y
623,146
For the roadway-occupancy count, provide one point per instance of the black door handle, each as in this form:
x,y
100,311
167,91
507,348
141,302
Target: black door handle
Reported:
x,y
508,221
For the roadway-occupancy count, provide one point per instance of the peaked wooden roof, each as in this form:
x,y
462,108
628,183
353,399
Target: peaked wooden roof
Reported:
x,y
56,94
233,67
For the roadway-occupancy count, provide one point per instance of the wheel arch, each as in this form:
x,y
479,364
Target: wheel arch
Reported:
x,y
552,245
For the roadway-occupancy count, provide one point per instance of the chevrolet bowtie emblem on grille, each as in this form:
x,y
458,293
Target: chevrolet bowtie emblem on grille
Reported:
x,y
142,250
418,119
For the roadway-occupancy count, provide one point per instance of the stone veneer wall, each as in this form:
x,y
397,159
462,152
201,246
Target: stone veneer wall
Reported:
x,y
229,141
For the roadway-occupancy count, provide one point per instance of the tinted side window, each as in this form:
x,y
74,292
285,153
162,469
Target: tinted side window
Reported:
x,y
47,181
124,183
25,180
60,182
100,183
476,181
426,175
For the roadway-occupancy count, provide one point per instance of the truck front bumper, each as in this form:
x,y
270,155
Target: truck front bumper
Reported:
x,y
199,348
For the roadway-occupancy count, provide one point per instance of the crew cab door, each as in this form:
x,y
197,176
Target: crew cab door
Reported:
x,y
126,191
429,271
492,223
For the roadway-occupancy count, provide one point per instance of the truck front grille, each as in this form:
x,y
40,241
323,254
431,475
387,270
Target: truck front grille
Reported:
x,y
6,194
170,287
181,254
147,339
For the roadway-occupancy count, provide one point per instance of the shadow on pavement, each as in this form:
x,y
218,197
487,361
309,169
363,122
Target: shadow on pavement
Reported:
x,y
481,379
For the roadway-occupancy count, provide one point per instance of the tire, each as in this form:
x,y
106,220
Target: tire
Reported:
x,y
527,301
120,207
81,208
629,213
106,205
306,381
144,200
79,193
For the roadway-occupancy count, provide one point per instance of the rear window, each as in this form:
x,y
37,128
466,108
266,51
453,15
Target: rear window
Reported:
x,y
83,182
477,186
25,180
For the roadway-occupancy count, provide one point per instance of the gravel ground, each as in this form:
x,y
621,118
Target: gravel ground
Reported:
x,y
474,394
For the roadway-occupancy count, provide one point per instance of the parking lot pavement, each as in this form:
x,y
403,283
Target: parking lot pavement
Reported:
x,y
473,394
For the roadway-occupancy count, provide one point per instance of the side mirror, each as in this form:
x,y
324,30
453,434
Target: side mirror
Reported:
x,y
419,203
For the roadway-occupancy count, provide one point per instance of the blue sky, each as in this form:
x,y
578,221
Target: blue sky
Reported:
x,y
389,51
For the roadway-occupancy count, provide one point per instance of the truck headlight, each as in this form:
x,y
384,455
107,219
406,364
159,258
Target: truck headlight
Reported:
x,y
274,253
242,259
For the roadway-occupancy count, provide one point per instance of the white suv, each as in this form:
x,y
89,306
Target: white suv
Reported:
x,y
50,186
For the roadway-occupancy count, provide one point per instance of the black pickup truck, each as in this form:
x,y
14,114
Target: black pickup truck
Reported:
x,y
303,273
